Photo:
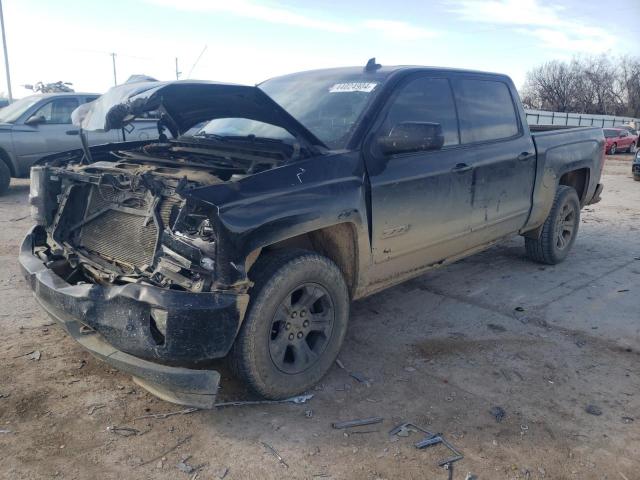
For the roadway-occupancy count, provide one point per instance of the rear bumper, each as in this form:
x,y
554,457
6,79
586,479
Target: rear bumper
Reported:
x,y
200,326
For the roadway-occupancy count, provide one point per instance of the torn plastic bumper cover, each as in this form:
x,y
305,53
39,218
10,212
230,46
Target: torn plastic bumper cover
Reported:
x,y
200,326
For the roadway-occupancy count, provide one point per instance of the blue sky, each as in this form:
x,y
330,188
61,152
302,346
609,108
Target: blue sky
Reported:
x,y
249,40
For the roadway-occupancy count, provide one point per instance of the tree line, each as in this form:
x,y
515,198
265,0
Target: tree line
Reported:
x,y
594,84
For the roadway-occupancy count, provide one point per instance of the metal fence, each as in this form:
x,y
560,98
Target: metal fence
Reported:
x,y
541,117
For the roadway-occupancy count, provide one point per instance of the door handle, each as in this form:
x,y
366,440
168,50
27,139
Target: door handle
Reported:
x,y
72,132
524,156
461,168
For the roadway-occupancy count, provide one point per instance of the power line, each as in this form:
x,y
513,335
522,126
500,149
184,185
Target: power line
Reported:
x,y
6,56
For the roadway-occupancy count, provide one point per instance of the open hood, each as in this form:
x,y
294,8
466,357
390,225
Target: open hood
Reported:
x,y
186,103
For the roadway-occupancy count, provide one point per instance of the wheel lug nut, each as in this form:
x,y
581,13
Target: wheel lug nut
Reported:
x,y
293,314
291,336
287,326
305,323
299,334
302,313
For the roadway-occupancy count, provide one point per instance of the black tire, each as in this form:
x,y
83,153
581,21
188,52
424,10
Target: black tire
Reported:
x,y
636,178
275,353
5,177
559,230
613,149
632,148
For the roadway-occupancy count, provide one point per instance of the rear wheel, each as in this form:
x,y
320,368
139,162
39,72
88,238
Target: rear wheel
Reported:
x,y
632,148
559,230
294,326
5,177
612,150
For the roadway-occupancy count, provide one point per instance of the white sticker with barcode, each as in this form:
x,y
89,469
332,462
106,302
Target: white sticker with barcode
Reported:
x,y
366,87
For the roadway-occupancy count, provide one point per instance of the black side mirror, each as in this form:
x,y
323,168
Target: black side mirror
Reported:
x,y
406,137
34,120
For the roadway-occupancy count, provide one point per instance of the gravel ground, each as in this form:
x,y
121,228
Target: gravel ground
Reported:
x,y
441,351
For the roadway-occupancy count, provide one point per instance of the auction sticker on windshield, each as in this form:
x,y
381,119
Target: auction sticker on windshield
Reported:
x,y
366,87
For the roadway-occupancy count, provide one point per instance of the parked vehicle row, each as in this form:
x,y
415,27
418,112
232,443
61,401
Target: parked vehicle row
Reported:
x,y
39,125
248,238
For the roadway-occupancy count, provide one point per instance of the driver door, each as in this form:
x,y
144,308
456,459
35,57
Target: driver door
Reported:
x,y
420,201
54,133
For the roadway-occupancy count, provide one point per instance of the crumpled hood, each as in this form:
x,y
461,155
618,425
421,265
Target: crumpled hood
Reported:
x,y
186,103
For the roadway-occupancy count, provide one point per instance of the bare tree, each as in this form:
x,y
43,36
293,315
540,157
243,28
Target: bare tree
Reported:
x,y
591,84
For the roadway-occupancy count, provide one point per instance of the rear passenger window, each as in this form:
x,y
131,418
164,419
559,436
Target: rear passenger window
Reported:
x,y
486,110
425,100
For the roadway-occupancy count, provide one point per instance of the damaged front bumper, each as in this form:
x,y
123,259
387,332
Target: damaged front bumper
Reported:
x,y
115,323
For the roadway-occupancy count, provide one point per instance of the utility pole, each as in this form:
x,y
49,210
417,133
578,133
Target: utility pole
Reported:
x,y
6,56
113,60
178,72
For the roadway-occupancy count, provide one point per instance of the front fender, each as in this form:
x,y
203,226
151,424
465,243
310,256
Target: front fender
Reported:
x,y
282,203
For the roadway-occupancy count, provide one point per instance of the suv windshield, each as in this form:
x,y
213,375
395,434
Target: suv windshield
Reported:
x,y
14,111
327,103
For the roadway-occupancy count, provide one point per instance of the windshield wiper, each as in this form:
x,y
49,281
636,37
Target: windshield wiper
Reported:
x,y
211,136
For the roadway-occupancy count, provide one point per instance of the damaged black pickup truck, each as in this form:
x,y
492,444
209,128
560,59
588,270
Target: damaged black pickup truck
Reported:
x,y
246,232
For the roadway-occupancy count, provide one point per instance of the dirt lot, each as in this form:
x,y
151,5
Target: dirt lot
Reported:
x,y
440,351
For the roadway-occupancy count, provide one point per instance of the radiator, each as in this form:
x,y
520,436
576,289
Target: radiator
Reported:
x,y
123,237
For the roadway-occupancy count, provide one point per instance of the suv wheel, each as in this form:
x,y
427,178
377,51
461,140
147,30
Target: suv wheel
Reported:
x,y
5,177
294,325
559,230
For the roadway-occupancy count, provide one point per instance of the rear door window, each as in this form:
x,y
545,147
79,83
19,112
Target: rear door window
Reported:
x,y
486,110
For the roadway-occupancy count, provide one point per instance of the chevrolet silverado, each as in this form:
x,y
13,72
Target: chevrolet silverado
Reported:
x,y
246,232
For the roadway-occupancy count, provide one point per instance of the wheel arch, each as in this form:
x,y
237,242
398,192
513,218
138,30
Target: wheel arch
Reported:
x,y
338,242
4,157
578,179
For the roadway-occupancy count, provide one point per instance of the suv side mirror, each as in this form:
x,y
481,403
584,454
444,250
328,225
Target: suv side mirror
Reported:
x,y
34,120
407,137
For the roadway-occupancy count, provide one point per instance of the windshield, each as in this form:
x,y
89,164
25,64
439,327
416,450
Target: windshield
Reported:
x,y
14,111
611,133
326,103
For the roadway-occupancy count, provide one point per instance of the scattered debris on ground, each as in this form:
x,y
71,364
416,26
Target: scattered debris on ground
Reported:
x,y
92,408
275,453
123,431
357,423
593,410
498,413
300,399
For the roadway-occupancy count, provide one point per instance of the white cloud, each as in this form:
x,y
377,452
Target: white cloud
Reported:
x,y
553,25
398,30
256,11
271,13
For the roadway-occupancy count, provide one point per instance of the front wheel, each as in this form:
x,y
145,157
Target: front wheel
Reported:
x,y
612,150
294,325
559,230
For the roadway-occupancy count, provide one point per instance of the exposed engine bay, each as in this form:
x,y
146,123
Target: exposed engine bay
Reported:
x,y
127,217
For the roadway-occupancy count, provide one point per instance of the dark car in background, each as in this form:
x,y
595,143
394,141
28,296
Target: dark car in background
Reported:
x,y
635,168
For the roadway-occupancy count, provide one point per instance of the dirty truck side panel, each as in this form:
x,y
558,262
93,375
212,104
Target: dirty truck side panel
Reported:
x,y
559,152
434,206
285,202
